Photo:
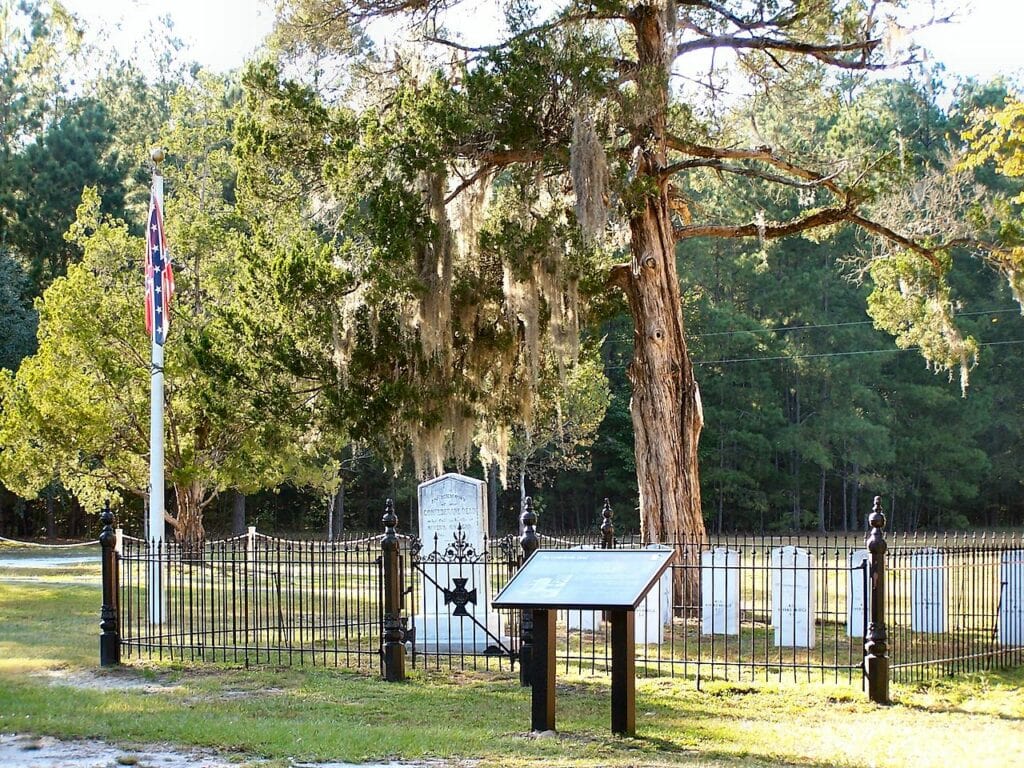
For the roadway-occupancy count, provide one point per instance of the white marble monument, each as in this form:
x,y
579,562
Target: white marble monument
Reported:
x,y
454,608
928,591
720,591
1011,598
858,594
655,610
793,603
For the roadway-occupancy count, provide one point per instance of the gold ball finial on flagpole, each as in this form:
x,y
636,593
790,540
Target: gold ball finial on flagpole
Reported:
x,y
156,154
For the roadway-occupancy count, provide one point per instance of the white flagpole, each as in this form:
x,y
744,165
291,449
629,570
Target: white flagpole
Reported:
x,y
155,523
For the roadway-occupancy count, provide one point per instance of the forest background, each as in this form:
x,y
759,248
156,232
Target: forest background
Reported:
x,y
809,410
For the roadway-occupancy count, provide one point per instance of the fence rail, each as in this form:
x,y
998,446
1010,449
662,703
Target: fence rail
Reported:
x,y
733,606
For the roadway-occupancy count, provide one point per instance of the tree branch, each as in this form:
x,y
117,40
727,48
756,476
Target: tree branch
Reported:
x,y
746,25
763,154
823,53
741,170
889,234
820,218
482,171
538,30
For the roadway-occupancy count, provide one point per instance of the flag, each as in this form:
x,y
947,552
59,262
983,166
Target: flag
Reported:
x,y
159,278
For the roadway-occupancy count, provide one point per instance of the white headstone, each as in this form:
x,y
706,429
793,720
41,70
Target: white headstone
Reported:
x,y
720,592
928,591
453,517
1011,598
447,503
793,603
655,610
857,594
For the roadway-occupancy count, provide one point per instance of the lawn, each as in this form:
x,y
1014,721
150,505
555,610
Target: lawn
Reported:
x,y
50,684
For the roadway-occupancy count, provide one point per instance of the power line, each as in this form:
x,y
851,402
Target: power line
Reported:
x,y
791,328
839,325
838,354
850,353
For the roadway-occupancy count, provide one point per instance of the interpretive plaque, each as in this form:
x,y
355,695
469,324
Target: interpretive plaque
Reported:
x,y
612,580
585,621
600,579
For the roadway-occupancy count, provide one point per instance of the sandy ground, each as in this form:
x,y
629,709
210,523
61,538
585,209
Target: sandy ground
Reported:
x,y
21,751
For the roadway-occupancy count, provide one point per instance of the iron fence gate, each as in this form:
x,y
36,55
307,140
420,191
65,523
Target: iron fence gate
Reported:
x,y
451,621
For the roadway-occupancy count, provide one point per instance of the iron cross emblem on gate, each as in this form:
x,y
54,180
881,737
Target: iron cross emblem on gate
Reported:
x,y
460,596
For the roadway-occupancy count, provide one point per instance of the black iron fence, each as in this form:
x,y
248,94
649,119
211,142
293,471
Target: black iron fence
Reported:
x,y
252,599
734,607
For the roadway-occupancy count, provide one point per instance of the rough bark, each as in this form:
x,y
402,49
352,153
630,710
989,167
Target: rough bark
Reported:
x,y
492,498
821,501
51,515
665,407
188,525
238,513
855,497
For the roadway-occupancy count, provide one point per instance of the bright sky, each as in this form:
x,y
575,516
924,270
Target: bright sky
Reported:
x,y
987,41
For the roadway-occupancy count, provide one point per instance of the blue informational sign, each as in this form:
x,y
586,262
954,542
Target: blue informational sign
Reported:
x,y
599,579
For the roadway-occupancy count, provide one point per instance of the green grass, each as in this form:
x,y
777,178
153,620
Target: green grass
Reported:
x,y
49,633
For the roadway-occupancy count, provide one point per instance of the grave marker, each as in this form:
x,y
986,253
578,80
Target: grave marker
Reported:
x,y
793,604
856,600
456,610
720,592
1011,598
655,610
928,591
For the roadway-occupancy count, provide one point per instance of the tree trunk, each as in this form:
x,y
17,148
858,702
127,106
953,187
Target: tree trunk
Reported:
x,y
721,490
522,497
339,512
51,514
846,507
665,407
492,499
855,498
188,525
821,502
238,513
798,517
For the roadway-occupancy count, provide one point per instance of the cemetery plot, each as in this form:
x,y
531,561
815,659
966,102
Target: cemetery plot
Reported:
x,y
258,599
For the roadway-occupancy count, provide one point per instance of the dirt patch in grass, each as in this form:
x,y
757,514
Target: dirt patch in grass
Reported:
x,y
45,752
113,680
26,751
